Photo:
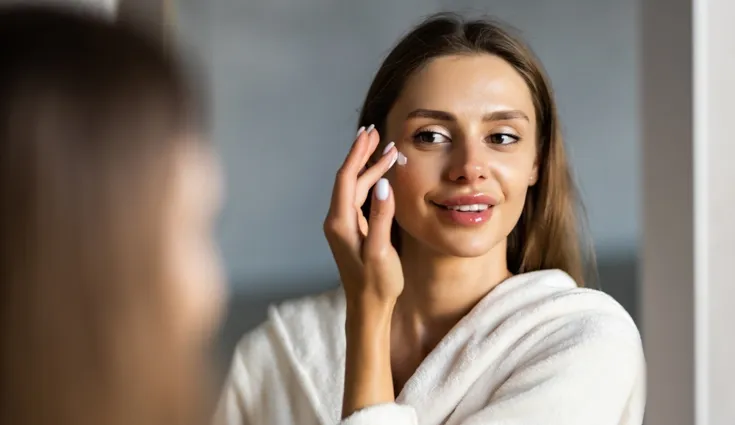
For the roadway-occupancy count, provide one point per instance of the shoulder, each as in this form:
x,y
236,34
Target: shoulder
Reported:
x,y
550,304
558,344
593,339
284,361
294,331
565,316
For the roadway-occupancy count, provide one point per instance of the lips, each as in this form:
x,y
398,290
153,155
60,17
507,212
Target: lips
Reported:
x,y
466,209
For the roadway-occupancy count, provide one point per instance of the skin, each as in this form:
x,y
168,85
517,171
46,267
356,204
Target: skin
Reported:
x,y
192,259
481,137
448,269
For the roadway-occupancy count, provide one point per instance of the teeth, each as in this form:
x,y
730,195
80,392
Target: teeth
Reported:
x,y
468,208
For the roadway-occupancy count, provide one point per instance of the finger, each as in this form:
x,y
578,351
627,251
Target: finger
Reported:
x,y
378,244
344,185
373,140
371,175
362,225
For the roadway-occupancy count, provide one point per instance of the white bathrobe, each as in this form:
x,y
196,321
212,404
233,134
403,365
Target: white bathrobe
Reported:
x,y
536,350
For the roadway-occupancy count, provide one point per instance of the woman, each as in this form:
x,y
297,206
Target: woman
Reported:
x,y
462,298
111,284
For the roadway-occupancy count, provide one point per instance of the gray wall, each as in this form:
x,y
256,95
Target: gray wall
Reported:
x,y
288,79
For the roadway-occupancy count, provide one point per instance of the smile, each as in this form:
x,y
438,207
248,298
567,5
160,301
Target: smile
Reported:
x,y
465,210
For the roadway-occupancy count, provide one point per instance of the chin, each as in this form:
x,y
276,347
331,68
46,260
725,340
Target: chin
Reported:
x,y
462,244
463,247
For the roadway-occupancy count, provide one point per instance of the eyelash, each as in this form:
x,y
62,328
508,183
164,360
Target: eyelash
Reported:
x,y
418,135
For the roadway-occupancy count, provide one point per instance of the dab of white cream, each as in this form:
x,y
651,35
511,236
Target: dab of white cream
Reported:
x,y
402,160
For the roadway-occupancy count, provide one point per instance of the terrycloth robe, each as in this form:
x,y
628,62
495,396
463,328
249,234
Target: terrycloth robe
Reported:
x,y
535,350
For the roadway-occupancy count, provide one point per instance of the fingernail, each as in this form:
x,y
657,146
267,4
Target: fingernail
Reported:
x,y
393,161
369,129
359,131
402,160
382,189
388,147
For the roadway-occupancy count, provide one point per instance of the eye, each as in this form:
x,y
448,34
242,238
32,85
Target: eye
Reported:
x,y
503,139
430,137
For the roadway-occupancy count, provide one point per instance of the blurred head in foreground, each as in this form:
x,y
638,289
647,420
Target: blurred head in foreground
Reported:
x,y
110,281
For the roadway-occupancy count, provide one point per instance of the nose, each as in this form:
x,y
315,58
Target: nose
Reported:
x,y
469,163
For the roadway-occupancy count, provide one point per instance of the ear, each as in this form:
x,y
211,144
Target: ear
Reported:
x,y
533,177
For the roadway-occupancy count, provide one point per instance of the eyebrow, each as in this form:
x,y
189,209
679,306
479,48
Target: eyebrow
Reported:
x,y
446,116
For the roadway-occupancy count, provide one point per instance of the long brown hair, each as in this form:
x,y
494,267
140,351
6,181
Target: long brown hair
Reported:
x,y
550,232
90,117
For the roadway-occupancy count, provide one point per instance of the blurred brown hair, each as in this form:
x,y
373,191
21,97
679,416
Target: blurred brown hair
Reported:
x,y
91,115
550,232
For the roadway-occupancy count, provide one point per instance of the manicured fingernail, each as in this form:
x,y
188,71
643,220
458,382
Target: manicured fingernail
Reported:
x,y
369,129
402,160
393,161
382,189
388,147
359,131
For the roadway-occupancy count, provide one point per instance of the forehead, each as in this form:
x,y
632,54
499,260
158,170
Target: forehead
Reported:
x,y
472,84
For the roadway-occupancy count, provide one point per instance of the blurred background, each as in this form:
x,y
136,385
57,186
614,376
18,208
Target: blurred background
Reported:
x,y
288,78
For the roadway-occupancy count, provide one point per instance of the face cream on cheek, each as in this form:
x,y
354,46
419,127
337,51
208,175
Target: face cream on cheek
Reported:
x,y
401,160
399,157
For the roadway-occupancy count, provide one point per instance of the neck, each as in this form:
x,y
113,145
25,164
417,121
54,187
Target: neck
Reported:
x,y
439,290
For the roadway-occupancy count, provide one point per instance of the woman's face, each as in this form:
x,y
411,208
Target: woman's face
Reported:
x,y
192,257
467,126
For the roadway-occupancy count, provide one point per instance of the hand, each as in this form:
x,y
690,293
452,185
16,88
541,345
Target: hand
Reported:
x,y
370,271
368,264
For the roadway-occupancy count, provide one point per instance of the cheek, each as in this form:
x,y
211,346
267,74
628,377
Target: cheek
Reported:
x,y
197,276
514,176
411,182
197,283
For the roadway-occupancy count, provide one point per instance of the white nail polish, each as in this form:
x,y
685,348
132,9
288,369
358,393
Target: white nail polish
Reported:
x,y
369,129
388,147
402,160
359,131
393,161
382,189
